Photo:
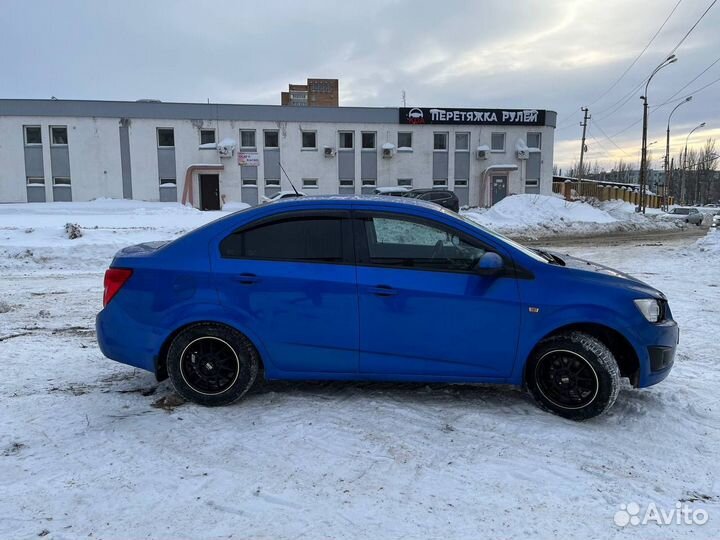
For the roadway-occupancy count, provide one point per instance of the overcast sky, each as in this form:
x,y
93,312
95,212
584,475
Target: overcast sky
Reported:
x,y
549,54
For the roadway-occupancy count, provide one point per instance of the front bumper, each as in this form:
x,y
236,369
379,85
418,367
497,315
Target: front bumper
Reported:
x,y
657,356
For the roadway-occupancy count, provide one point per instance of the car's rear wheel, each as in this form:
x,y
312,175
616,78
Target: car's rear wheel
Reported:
x,y
573,375
212,364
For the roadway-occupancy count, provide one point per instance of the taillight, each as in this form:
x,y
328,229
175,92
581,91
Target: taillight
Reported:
x,y
115,278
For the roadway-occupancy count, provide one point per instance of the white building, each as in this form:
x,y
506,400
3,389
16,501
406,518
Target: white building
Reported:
x,y
208,154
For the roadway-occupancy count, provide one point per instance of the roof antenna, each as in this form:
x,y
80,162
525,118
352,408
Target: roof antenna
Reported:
x,y
286,176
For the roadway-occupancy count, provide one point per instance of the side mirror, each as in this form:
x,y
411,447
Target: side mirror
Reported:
x,y
490,264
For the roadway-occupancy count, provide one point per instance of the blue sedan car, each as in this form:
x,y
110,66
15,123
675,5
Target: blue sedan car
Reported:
x,y
383,289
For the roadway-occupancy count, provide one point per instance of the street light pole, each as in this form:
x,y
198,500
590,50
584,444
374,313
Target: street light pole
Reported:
x,y
667,155
684,163
641,204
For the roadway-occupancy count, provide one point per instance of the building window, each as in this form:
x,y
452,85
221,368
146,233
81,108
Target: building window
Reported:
x,y
272,139
61,181
272,182
309,140
247,138
33,135
462,142
250,182
497,142
369,182
461,183
207,136
368,141
441,182
404,141
347,183
168,182
440,142
35,181
404,182
534,140
310,183
58,135
346,140
166,137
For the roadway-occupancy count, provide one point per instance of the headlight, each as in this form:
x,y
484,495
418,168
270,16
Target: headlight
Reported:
x,y
650,308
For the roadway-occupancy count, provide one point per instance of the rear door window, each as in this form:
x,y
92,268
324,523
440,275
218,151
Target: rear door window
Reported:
x,y
308,239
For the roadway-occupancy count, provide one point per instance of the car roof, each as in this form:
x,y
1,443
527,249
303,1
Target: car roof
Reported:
x,y
346,201
430,190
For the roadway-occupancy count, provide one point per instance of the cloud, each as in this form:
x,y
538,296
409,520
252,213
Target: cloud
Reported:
x,y
552,54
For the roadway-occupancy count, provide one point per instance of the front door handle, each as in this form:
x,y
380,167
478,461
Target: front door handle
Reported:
x,y
383,290
246,279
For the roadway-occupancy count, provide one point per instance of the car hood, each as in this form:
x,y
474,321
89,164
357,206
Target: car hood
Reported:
x,y
609,274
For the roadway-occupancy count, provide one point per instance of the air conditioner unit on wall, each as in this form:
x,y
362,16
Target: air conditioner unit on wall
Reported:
x,y
329,151
226,147
482,152
388,149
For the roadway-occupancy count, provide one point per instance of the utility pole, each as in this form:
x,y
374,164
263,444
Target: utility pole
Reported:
x,y
404,100
583,148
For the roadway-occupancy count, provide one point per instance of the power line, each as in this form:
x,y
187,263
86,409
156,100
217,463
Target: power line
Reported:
x,y
691,93
609,138
623,100
693,27
668,102
639,55
692,81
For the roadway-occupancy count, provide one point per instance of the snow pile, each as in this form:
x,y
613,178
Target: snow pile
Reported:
x,y
535,216
710,242
234,206
61,235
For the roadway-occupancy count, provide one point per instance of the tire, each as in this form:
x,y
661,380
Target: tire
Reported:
x,y
212,364
573,375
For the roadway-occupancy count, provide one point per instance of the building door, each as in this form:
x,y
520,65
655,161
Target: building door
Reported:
x,y
499,188
209,192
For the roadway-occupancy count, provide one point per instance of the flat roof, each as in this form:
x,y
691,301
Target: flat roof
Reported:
x,y
204,111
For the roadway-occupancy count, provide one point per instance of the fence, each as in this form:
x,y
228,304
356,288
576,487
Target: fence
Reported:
x,y
579,190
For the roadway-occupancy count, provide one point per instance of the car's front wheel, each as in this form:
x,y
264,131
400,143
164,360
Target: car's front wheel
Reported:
x,y
212,364
573,375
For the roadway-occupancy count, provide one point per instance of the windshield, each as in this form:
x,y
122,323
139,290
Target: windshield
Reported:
x,y
526,250
680,211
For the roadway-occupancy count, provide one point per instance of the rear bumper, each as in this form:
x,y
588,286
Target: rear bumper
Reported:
x,y
123,340
657,356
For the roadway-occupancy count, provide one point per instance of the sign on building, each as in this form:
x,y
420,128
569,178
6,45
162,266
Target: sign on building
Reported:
x,y
248,159
481,117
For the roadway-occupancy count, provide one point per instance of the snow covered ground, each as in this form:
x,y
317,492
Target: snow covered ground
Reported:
x,y
540,216
86,450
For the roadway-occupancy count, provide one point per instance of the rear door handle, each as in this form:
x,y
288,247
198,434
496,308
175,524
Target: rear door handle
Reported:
x,y
383,290
246,279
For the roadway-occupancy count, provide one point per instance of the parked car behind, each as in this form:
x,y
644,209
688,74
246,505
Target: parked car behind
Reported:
x,y
383,289
393,191
689,215
443,197
280,195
